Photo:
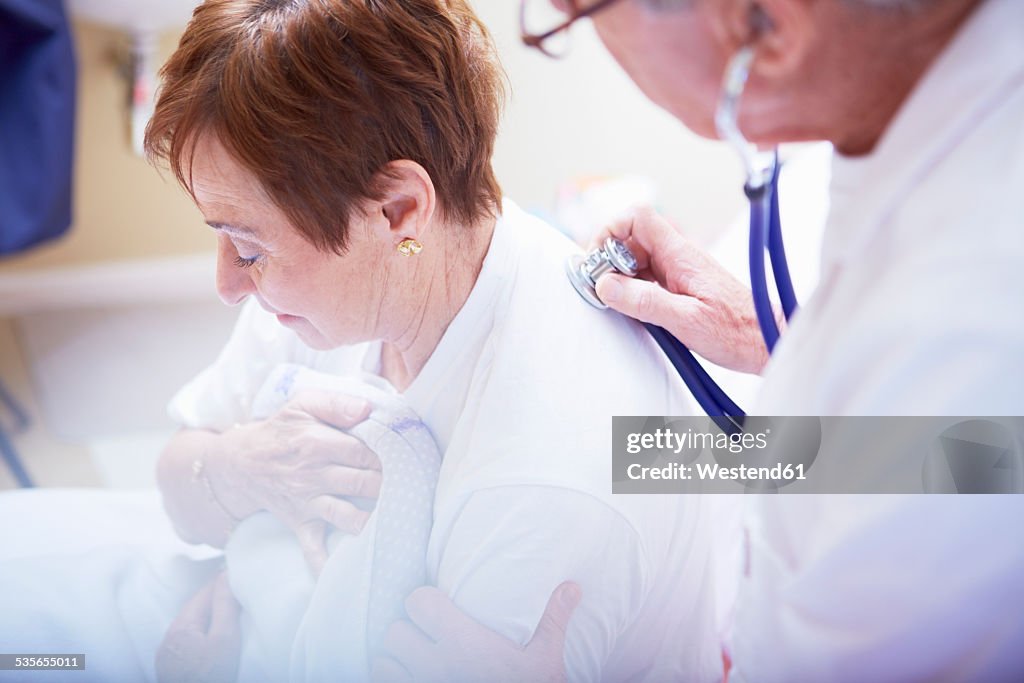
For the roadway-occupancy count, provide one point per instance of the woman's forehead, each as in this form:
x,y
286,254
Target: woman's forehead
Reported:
x,y
218,179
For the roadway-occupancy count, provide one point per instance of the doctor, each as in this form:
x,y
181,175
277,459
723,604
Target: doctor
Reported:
x,y
920,311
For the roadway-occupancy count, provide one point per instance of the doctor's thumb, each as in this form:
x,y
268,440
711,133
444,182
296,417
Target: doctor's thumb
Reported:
x,y
549,636
646,301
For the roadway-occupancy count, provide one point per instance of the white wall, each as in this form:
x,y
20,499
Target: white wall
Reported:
x,y
582,116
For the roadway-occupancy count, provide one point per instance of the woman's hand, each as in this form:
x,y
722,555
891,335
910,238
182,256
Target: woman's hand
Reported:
x,y
204,642
442,644
684,290
300,466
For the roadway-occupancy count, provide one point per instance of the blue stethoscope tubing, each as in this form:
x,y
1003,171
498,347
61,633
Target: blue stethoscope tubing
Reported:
x,y
765,236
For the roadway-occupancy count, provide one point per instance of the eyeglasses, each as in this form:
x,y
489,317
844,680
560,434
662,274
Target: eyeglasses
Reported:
x,y
545,27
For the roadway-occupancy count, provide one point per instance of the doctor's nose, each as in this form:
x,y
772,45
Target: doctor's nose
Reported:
x,y
234,283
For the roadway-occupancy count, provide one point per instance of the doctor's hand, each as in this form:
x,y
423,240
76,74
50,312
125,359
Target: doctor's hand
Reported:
x,y
681,288
204,642
442,644
301,466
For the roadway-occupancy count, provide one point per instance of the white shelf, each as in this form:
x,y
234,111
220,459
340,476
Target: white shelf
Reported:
x,y
135,15
164,280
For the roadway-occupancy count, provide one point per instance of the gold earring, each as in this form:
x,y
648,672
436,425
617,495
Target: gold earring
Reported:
x,y
409,247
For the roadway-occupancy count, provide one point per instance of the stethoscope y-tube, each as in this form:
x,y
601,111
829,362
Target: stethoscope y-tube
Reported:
x,y
762,190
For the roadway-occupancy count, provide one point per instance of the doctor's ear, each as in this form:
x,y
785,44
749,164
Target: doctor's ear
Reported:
x,y
409,200
781,31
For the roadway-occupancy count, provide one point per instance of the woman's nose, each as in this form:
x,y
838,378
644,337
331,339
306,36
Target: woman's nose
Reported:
x,y
234,283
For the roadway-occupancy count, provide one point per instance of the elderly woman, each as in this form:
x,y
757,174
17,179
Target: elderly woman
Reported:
x,y
341,150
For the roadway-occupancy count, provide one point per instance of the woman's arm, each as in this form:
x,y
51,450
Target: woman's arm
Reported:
x,y
185,476
299,465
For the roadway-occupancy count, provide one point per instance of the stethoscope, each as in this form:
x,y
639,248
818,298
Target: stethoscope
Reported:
x,y
761,189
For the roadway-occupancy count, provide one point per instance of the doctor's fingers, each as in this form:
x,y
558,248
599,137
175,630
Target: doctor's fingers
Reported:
x,y
659,246
723,329
643,230
387,670
434,613
647,301
548,641
335,409
416,653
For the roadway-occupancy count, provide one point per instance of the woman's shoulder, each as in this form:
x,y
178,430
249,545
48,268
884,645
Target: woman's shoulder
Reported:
x,y
566,346
557,371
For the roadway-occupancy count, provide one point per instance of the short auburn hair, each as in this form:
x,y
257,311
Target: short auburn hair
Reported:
x,y
315,97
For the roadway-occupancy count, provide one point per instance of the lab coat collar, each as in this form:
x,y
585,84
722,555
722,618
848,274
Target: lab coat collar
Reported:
x,y
968,80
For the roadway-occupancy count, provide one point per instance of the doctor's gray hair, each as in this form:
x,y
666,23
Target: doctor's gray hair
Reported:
x,y
896,5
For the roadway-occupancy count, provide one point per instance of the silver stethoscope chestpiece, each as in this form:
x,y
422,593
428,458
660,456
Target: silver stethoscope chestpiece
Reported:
x,y
584,270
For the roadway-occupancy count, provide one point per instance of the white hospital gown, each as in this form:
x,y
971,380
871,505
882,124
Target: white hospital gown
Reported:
x,y
519,395
293,629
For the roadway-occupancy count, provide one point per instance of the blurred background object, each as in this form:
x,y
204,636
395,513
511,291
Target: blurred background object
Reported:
x,y
98,328
142,21
37,116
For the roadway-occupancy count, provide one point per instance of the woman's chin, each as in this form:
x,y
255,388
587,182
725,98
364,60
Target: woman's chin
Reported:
x,y
309,335
312,338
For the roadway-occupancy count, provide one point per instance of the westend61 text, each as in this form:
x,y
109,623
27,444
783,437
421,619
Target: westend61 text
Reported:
x,y
713,471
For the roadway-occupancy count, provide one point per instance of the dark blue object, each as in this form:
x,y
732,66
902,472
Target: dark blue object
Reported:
x,y
7,450
37,115
711,398
765,235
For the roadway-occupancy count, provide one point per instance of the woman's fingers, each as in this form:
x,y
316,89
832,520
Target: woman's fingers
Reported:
x,y
352,483
312,536
203,643
225,612
339,513
343,449
320,514
195,613
225,635
337,410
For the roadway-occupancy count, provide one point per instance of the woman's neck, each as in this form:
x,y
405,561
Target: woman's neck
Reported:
x,y
435,292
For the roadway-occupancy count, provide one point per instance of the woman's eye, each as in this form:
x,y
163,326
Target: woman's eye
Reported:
x,y
246,262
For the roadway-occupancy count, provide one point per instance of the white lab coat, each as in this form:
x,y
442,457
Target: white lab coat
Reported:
x,y
920,311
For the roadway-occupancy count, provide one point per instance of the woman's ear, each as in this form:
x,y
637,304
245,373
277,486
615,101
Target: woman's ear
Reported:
x,y
409,200
781,31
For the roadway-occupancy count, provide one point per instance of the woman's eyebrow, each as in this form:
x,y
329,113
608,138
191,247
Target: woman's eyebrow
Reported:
x,y
239,231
